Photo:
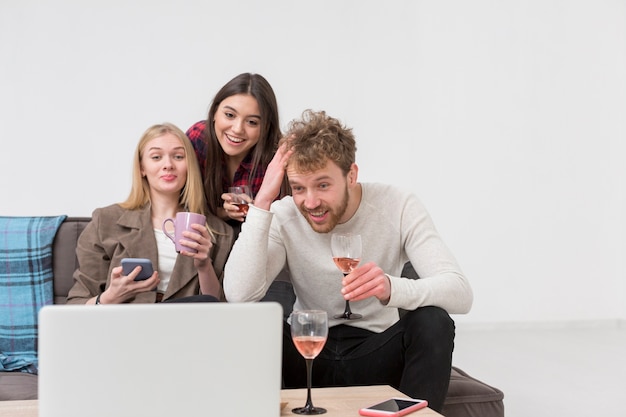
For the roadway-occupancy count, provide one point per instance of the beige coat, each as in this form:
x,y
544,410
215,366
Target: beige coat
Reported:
x,y
115,233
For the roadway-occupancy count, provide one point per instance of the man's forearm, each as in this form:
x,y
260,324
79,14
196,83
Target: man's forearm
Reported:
x,y
245,271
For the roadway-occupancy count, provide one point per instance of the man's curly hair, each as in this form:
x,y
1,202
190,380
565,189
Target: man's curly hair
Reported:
x,y
317,138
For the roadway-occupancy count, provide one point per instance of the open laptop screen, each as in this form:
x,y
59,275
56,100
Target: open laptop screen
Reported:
x,y
187,359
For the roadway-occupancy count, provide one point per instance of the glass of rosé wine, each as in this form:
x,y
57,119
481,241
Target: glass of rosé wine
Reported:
x,y
309,330
241,197
346,250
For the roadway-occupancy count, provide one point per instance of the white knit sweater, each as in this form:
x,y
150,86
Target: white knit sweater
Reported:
x,y
395,228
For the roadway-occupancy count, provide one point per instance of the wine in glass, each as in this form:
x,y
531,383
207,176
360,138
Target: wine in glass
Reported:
x,y
241,197
346,250
309,330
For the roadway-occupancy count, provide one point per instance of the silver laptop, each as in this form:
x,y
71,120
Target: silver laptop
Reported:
x,y
187,359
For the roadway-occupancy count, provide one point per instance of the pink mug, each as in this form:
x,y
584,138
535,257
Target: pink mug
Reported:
x,y
183,222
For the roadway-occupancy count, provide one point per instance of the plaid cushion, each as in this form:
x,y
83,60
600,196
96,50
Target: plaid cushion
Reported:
x,y
25,286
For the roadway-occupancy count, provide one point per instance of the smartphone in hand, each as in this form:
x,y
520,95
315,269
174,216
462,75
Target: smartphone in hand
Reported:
x,y
393,407
129,264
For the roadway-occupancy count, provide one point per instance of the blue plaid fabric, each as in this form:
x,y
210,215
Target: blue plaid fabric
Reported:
x,y
25,286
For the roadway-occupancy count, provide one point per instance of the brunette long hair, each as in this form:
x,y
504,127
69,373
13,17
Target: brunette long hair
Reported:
x,y
258,87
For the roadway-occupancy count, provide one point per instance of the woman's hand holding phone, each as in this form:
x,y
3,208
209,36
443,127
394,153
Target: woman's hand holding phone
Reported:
x,y
129,265
141,280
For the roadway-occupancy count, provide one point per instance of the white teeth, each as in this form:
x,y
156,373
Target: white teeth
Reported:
x,y
233,139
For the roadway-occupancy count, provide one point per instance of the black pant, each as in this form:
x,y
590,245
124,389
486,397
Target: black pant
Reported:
x,y
200,298
414,356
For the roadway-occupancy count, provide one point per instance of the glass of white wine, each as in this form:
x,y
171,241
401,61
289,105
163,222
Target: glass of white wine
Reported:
x,y
346,250
309,331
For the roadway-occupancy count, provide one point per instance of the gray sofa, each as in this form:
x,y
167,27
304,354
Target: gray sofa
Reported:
x,y
467,396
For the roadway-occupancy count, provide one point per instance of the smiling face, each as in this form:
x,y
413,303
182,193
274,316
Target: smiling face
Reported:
x,y
325,197
164,165
238,125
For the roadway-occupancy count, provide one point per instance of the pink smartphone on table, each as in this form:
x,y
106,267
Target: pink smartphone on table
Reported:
x,y
394,407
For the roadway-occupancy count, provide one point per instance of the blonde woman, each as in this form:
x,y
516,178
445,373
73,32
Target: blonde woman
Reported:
x,y
166,180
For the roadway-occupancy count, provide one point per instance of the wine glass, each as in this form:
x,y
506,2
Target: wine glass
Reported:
x,y
346,250
309,330
241,197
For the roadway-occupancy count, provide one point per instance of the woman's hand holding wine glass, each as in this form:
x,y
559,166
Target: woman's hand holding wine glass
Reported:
x,y
240,197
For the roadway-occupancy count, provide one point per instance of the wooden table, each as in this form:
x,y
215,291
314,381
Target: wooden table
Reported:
x,y
344,402
340,402
27,408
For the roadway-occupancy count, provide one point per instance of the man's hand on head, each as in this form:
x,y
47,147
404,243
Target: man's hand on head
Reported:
x,y
274,175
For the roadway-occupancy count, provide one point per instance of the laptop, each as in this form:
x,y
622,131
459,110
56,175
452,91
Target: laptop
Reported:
x,y
186,359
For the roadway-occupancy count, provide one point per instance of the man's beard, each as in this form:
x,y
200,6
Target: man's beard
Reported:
x,y
333,215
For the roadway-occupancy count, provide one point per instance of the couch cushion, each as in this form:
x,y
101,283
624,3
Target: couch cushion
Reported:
x,y
469,397
18,386
25,286
65,261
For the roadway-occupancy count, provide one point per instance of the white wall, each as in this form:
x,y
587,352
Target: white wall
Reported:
x,y
505,117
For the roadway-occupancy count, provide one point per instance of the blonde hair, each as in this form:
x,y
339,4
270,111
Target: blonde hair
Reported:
x,y
192,195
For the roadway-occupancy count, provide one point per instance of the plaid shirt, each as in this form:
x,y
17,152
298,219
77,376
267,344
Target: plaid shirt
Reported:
x,y
198,139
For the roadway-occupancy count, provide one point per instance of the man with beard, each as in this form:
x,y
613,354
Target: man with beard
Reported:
x,y
412,353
